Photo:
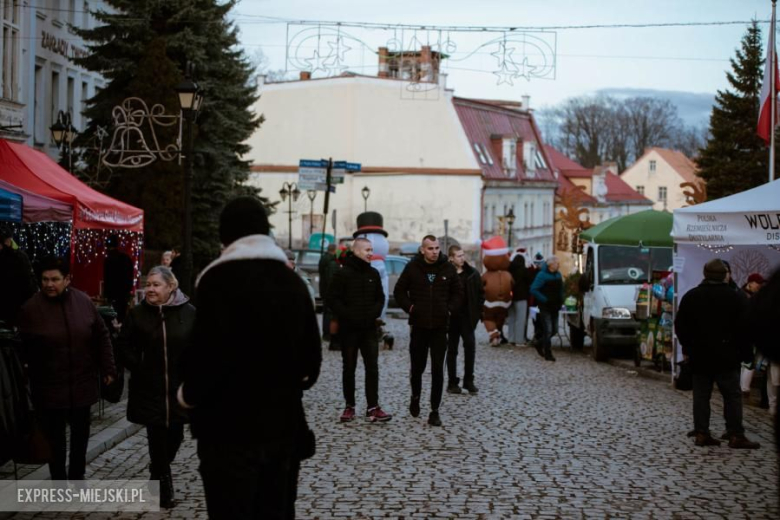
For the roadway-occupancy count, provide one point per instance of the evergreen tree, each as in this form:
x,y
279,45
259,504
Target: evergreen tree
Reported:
x,y
735,159
141,48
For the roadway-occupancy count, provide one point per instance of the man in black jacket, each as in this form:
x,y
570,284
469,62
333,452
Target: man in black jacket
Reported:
x,y
357,298
117,277
518,312
429,291
256,348
327,268
709,325
463,322
17,279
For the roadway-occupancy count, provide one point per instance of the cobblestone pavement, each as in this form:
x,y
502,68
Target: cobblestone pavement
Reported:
x,y
571,439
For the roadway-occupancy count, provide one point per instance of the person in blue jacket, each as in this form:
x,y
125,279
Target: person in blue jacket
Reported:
x,y
547,289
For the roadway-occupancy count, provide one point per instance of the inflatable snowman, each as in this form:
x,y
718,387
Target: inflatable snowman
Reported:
x,y
370,226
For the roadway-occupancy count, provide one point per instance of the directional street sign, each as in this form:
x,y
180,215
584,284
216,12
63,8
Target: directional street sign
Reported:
x,y
340,168
312,174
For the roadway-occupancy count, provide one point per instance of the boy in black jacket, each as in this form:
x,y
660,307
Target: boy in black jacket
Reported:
x,y
356,297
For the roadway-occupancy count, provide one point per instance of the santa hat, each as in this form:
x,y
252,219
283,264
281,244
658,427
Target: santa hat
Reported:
x,y
495,246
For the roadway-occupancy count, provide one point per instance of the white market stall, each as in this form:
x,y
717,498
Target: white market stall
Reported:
x,y
742,229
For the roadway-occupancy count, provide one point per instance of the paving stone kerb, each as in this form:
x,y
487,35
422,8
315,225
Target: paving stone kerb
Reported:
x,y
571,439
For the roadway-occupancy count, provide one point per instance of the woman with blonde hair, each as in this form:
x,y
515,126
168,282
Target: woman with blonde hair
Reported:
x,y
154,336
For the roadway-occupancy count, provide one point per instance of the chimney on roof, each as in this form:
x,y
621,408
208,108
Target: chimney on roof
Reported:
x,y
384,67
305,75
526,102
443,81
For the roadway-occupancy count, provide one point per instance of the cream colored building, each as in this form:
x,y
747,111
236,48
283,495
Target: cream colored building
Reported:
x,y
658,175
416,160
39,77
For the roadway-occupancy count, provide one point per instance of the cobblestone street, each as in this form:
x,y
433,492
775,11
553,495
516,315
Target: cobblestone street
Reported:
x,y
569,439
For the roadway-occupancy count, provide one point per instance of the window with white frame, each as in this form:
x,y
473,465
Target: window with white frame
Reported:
x,y
85,16
509,156
10,50
652,166
54,98
529,158
661,193
640,190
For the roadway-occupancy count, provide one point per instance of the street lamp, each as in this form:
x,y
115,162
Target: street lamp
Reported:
x,y
289,190
190,101
366,193
510,220
63,132
312,194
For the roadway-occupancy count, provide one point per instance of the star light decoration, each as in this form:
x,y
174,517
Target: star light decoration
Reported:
x,y
508,68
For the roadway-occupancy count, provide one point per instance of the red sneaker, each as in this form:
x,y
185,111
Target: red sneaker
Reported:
x,y
376,414
348,415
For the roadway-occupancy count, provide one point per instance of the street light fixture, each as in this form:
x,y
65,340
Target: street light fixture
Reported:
x,y
289,190
190,102
63,132
366,193
312,194
510,220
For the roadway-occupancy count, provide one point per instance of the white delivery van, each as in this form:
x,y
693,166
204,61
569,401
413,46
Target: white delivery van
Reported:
x,y
612,277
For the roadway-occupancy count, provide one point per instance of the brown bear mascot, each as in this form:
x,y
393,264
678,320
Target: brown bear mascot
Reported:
x,y
498,287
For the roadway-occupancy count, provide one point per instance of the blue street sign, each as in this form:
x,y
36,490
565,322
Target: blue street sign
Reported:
x,y
310,163
348,166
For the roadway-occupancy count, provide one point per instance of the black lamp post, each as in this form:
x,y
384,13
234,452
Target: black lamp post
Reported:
x,y
289,190
312,194
63,132
510,220
366,193
190,101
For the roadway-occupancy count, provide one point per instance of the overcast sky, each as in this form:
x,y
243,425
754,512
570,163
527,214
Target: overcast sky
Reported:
x,y
690,59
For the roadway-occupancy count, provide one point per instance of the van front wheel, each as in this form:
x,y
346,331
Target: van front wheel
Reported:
x,y
599,351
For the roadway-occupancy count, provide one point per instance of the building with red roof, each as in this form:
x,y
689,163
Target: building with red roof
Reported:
x,y
599,191
658,175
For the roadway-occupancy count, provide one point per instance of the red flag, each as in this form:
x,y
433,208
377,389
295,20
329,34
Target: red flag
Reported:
x,y
764,129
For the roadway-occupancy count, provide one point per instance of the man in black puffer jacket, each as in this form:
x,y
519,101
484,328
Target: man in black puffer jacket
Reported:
x,y
709,328
429,291
357,298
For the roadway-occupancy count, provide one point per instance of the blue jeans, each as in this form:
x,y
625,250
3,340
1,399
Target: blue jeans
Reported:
x,y
728,385
549,323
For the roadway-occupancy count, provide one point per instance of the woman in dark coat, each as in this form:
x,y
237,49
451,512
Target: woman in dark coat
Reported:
x,y
154,336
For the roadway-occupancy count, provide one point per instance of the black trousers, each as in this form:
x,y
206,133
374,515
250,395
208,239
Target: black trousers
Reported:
x,y
54,423
248,481
422,341
164,443
363,340
460,328
326,319
728,384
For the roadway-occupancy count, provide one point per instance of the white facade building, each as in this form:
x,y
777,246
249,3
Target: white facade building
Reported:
x,y
39,78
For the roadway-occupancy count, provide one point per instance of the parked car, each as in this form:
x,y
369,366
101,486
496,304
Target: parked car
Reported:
x,y
308,260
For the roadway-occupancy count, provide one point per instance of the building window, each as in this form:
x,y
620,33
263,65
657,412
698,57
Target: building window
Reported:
x,y
84,97
71,94
9,51
54,98
481,155
652,166
509,156
525,215
640,190
38,124
662,193
85,16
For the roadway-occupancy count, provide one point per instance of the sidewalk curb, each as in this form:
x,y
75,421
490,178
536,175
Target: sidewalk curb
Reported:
x,y
99,443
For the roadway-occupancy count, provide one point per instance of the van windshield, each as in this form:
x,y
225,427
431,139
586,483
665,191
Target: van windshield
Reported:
x,y
628,265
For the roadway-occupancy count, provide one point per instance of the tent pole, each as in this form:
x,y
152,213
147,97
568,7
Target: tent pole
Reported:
x,y
773,96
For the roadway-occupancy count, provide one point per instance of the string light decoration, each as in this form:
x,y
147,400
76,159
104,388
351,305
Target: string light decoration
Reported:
x,y
327,47
725,248
41,239
90,244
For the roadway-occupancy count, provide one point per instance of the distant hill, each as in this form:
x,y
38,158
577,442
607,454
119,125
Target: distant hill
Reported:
x,y
693,108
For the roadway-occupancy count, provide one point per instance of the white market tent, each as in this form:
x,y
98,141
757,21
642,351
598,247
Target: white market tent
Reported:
x,y
742,229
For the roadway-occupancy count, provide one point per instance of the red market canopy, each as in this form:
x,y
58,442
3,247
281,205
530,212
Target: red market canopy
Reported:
x,y
34,171
37,208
